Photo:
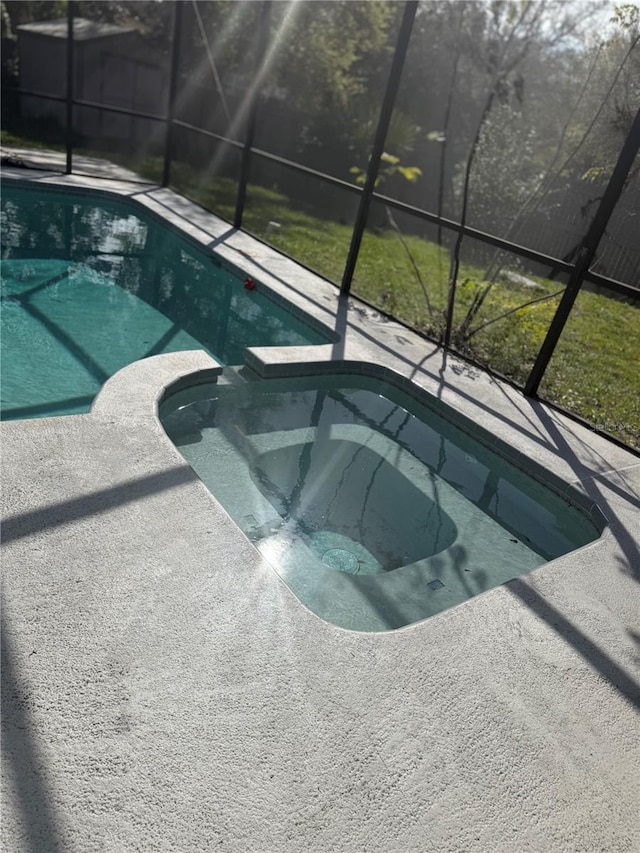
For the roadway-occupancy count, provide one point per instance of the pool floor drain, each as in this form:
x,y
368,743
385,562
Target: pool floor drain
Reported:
x,y
341,560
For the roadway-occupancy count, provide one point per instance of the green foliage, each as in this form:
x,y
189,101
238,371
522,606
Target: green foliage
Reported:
x,y
401,139
151,18
389,166
18,12
410,173
496,191
626,16
328,52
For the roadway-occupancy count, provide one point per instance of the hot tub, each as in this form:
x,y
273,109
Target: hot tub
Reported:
x,y
375,509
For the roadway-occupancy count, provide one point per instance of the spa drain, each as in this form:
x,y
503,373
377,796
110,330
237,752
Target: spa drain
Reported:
x,y
341,560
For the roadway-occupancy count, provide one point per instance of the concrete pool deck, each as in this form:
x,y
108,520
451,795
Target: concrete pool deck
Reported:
x,y
163,689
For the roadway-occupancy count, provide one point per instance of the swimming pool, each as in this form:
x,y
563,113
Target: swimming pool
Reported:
x,y
376,510
90,284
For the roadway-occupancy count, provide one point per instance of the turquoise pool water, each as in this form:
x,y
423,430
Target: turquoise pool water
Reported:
x,y
90,285
376,511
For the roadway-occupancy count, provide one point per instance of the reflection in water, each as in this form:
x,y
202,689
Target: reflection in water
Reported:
x,y
327,511
91,287
374,517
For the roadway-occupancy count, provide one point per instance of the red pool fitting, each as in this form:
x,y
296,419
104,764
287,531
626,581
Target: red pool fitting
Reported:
x,y
249,284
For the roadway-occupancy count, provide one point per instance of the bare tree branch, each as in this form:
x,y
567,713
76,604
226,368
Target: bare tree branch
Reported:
x,y
412,260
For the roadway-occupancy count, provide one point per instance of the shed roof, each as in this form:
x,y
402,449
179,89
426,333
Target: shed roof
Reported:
x,y
83,29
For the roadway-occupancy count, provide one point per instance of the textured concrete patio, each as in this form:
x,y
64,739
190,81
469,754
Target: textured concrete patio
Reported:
x,y
163,689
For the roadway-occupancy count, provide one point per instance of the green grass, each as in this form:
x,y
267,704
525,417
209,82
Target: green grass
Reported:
x,y
16,138
593,372
594,369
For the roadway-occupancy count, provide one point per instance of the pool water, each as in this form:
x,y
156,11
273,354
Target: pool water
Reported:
x,y
376,511
90,285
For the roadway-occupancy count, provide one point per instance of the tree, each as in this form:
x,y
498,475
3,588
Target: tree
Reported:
x,y
330,65
511,110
